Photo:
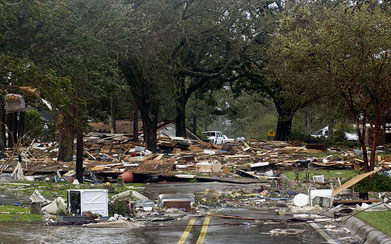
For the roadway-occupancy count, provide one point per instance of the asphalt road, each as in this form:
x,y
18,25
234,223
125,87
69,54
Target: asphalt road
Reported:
x,y
208,228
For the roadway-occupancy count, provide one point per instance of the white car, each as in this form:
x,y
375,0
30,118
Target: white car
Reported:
x,y
324,132
227,140
215,137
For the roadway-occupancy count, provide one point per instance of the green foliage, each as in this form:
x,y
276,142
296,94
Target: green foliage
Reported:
x,y
201,135
119,207
344,49
50,133
342,144
194,180
339,139
250,115
340,129
379,183
297,135
33,124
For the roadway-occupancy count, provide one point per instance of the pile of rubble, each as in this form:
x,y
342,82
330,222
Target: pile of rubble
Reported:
x,y
108,156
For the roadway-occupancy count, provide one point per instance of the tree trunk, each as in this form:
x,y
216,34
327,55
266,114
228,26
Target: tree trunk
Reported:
x,y
307,122
180,105
361,137
10,132
2,125
372,161
150,130
331,130
180,119
66,134
79,152
135,123
21,124
284,126
112,116
375,137
144,93
14,126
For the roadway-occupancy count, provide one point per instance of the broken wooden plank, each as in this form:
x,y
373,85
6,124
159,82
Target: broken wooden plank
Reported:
x,y
159,156
89,154
240,180
358,201
353,181
238,156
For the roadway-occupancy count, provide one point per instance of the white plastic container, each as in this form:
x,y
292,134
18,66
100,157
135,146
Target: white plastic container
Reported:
x,y
88,200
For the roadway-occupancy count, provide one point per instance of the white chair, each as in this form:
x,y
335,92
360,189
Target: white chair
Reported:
x,y
318,178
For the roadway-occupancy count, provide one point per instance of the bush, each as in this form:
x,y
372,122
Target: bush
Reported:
x,y
201,135
297,135
119,207
33,124
339,138
379,183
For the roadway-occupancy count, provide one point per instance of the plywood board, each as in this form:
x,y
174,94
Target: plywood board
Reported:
x,y
353,181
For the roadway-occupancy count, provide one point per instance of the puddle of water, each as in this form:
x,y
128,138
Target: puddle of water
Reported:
x,y
13,232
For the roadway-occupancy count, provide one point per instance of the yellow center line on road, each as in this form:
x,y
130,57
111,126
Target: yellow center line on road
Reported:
x,y
187,231
204,229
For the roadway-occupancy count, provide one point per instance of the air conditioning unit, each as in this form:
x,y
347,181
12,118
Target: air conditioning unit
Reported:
x,y
88,200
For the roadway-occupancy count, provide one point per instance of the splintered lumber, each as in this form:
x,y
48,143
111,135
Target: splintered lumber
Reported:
x,y
332,164
155,166
89,154
238,156
353,181
195,149
359,201
291,149
98,168
159,156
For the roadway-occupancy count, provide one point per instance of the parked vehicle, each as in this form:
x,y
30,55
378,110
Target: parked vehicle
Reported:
x,y
324,132
227,140
215,137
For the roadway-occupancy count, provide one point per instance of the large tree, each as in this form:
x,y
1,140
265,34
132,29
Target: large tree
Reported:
x,y
349,47
266,69
67,39
200,40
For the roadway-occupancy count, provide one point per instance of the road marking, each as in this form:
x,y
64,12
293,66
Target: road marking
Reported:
x,y
323,233
187,231
204,229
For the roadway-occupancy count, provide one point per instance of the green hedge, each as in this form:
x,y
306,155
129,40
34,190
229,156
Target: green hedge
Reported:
x,y
379,183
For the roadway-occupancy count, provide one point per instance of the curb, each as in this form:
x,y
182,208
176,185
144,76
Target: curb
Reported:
x,y
368,233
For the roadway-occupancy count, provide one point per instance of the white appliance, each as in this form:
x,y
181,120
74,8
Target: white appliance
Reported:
x,y
88,200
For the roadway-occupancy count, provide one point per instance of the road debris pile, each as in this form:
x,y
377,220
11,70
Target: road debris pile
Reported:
x,y
107,156
286,182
